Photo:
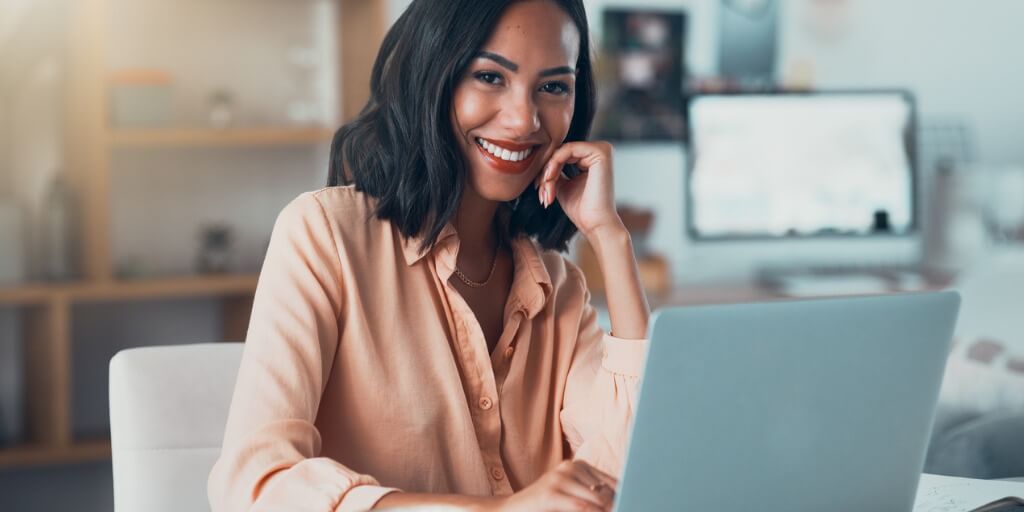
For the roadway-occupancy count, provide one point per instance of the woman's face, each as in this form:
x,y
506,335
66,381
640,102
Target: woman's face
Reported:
x,y
513,106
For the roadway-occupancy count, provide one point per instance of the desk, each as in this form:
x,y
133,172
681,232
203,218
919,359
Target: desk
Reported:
x,y
699,294
938,493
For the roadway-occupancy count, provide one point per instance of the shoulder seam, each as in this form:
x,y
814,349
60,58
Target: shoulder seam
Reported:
x,y
334,242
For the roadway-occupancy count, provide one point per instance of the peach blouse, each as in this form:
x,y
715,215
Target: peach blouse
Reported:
x,y
365,372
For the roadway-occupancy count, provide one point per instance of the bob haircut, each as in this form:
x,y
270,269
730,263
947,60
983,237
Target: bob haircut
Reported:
x,y
402,149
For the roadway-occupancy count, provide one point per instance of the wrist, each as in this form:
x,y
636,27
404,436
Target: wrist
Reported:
x,y
486,504
609,235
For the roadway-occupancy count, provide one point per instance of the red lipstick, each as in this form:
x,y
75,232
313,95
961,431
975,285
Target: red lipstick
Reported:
x,y
507,166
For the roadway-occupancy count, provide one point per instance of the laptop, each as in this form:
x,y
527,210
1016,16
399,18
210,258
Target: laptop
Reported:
x,y
789,406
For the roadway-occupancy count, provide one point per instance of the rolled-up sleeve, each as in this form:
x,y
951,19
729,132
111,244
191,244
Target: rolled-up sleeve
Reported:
x,y
269,459
601,392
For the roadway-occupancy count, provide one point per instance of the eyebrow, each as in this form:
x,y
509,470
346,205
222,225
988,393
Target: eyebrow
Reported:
x,y
512,66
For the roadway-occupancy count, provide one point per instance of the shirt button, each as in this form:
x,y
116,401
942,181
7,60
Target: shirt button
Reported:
x,y
497,474
508,352
485,403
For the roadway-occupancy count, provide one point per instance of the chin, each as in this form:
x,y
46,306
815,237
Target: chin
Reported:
x,y
497,189
499,193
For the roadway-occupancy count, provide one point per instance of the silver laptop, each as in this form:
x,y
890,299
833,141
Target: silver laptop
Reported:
x,y
792,406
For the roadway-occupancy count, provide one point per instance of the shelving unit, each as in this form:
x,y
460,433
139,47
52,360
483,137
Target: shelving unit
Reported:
x,y
42,455
85,291
46,309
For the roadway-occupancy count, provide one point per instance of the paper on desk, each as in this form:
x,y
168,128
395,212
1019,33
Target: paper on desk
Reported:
x,y
938,493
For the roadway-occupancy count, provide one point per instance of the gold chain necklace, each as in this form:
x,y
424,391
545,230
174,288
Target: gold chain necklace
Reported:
x,y
473,284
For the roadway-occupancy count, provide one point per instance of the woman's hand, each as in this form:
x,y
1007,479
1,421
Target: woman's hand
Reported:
x,y
570,486
588,199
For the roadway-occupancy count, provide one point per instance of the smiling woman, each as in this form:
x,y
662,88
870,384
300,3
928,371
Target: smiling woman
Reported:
x,y
417,338
436,83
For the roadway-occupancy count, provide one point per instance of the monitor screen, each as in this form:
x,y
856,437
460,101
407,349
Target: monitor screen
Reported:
x,y
801,165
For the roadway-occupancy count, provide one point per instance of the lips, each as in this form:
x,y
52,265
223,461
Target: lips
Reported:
x,y
506,156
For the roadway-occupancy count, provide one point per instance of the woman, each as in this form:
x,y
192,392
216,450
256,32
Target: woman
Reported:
x,y
416,338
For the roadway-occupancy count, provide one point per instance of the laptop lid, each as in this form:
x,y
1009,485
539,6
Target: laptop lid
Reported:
x,y
788,406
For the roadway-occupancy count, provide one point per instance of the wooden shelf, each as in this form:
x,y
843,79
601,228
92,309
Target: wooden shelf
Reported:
x,y
186,137
191,286
47,310
26,455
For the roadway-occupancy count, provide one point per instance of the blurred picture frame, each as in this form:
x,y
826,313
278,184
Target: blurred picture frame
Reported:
x,y
641,70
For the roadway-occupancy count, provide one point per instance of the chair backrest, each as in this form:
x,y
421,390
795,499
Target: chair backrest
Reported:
x,y
168,409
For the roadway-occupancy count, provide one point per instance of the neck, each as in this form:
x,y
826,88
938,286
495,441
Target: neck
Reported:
x,y
474,223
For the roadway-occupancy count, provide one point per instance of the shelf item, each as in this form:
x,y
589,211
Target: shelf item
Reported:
x,y
191,286
27,455
210,137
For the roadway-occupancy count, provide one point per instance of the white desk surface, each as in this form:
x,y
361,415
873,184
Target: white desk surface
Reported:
x,y
938,493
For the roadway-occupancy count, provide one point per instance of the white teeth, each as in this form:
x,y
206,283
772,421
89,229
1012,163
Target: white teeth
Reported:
x,y
502,153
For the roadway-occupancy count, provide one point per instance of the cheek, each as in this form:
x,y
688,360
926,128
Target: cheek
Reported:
x,y
471,108
556,120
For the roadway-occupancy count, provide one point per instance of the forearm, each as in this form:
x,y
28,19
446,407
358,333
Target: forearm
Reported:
x,y
627,303
459,502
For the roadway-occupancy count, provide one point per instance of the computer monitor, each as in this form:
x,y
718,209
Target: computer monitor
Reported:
x,y
827,173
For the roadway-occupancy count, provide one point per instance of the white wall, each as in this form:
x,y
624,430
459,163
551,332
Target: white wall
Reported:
x,y
961,58
163,198
6,175
240,47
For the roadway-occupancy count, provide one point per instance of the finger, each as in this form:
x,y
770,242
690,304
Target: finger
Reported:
x,y
581,154
563,503
574,489
585,474
547,189
570,153
605,478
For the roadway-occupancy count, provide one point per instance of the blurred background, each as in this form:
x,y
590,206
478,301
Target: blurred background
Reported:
x,y
146,147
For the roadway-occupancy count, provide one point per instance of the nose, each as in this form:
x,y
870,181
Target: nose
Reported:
x,y
519,114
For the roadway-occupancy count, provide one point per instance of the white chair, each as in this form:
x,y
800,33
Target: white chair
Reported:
x,y
168,408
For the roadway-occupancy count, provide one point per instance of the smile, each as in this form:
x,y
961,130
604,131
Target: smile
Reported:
x,y
507,157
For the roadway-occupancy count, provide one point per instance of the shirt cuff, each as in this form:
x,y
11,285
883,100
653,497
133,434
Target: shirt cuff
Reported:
x,y
623,356
363,497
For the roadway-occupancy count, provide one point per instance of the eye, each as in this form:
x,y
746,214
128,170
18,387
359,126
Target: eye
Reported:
x,y
488,77
556,88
